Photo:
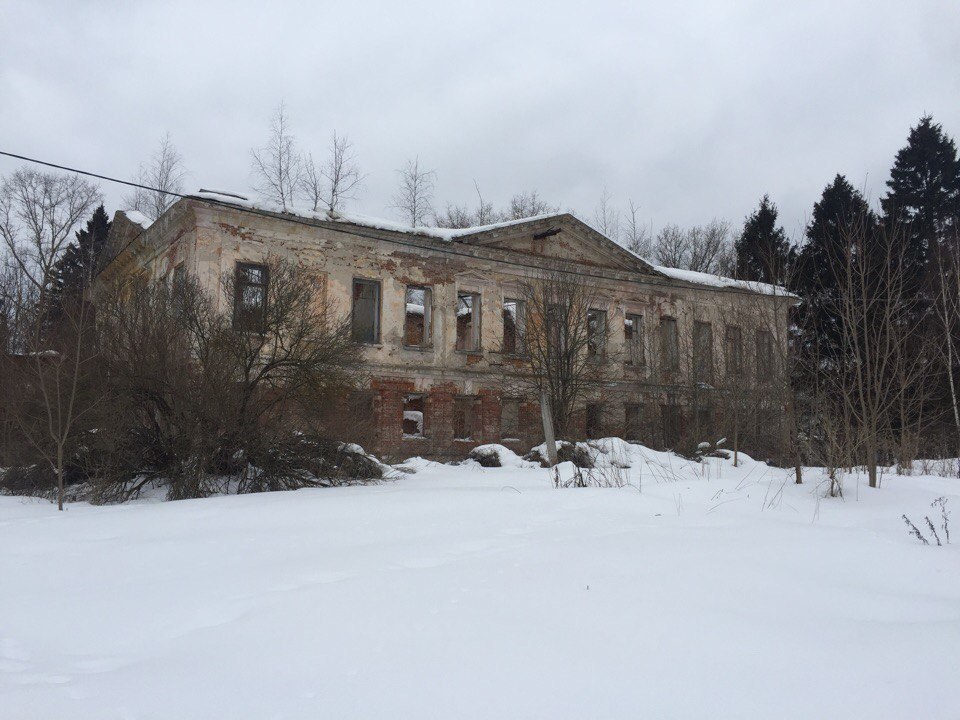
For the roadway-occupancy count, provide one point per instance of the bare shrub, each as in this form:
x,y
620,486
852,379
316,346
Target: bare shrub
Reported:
x,y
941,504
197,401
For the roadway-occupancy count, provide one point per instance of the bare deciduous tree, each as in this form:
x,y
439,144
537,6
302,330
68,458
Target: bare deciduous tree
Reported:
x,y
414,197
165,173
606,217
58,383
204,398
670,247
53,365
702,248
278,166
334,182
636,237
455,216
564,346
945,333
524,205
876,382
38,212
711,248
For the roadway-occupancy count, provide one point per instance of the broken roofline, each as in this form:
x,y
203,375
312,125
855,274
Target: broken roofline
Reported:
x,y
690,277
447,234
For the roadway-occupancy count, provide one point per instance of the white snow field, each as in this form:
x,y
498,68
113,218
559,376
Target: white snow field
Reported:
x,y
464,592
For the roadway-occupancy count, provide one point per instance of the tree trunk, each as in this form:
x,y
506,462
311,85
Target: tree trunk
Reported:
x,y
548,436
872,460
60,477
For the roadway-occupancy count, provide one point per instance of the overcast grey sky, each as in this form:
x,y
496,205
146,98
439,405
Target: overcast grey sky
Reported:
x,y
694,110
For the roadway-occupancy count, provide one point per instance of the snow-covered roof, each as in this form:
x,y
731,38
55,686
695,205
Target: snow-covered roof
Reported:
x,y
717,281
447,234
699,278
451,234
138,218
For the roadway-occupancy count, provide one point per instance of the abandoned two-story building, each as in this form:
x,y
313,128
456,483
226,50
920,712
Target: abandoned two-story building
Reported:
x,y
439,310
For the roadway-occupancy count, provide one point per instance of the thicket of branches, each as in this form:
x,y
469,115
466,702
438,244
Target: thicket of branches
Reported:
x,y
562,352
155,384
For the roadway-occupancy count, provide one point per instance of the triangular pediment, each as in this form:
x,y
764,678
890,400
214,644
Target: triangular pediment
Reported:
x,y
560,237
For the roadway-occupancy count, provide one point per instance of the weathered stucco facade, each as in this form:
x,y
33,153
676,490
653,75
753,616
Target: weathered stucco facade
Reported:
x,y
432,386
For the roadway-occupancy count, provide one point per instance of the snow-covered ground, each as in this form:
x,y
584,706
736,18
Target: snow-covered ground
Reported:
x,y
463,592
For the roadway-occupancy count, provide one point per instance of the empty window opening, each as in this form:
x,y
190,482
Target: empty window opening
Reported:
x,y
703,352
669,351
594,420
250,299
416,325
463,418
468,321
414,418
365,317
510,419
764,355
360,405
633,418
705,426
633,339
670,417
734,350
557,330
512,326
596,332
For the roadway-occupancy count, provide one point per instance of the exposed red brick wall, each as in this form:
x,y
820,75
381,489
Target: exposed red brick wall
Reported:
x,y
439,442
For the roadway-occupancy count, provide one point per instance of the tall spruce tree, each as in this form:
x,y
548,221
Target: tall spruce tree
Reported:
x,y
78,264
819,274
924,199
763,252
924,191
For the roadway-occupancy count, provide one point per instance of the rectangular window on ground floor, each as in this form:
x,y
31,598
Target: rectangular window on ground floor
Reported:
x,y
463,417
414,416
594,420
670,418
705,425
510,419
633,418
360,407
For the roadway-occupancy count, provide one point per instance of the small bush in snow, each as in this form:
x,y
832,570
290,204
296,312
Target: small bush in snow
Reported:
x,y
33,480
577,453
607,476
941,503
485,456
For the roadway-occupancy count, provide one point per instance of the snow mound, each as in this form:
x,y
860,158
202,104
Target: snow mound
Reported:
x,y
498,456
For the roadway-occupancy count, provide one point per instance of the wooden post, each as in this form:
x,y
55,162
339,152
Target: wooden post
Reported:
x,y
548,436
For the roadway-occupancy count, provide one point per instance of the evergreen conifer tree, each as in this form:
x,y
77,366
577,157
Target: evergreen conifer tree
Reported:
x,y
78,264
924,191
820,267
762,250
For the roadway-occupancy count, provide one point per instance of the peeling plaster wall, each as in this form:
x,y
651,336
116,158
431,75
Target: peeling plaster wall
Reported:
x,y
211,239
